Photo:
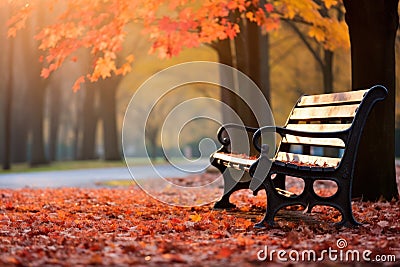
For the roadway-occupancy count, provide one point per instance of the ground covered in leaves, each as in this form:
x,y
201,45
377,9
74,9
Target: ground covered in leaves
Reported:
x,y
124,226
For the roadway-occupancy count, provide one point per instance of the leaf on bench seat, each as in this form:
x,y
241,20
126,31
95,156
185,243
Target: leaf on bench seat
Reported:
x,y
308,164
237,161
240,156
307,160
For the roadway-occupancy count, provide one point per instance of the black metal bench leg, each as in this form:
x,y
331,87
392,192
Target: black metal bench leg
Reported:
x,y
309,187
230,186
268,217
348,219
273,205
280,181
342,202
345,209
224,202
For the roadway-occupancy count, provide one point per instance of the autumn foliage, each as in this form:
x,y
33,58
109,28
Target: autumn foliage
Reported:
x,y
101,26
124,226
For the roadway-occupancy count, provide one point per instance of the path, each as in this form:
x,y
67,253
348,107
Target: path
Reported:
x,y
87,177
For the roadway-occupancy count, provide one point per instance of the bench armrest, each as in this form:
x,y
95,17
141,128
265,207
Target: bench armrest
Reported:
x,y
282,131
225,140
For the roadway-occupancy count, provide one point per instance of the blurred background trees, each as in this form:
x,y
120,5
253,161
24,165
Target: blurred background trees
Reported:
x,y
48,121
43,120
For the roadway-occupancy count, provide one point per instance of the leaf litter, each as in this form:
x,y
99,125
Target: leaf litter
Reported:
x,y
124,227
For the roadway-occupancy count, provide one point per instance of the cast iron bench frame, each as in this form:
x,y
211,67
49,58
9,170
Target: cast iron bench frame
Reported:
x,y
332,120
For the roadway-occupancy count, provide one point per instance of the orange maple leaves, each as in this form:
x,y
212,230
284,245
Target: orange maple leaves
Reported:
x,y
100,26
123,226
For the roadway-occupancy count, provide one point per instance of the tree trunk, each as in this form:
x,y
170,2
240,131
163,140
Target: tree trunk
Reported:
x,y
88,123
249,53
223,49
20,127
151,137
248,61
37,92
54,114
35,108
36,96
327,77
265,70
258,52
75,143
38,156
21,103
7,108
372,27
327,71
108,111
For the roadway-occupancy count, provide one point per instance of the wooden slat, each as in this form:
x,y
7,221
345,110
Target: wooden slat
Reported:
x,y
335,142
346,111
319,127
226,157
325,99
315,160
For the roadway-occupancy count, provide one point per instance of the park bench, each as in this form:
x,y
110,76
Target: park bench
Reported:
x,y
322,121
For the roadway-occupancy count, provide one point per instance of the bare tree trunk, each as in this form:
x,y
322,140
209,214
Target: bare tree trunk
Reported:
x,y
223,49
152,139
38,156
88,123
373,26
247,55
108,111
21,101
20,127
265,70
54,114
327,71
37,92
7,108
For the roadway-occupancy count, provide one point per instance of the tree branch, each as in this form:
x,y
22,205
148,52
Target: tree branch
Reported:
x,y
307,43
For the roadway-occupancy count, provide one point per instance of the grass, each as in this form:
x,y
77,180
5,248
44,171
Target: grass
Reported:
x,y
117,183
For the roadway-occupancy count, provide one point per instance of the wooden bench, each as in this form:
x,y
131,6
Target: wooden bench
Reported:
x,y
316,122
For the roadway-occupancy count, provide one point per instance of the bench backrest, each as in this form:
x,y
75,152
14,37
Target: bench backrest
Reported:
x,y
345,111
